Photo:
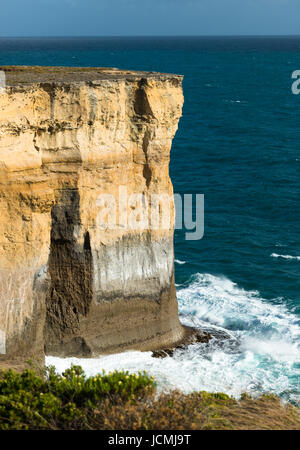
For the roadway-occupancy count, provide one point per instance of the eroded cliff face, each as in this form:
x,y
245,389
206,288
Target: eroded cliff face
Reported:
x,y
68,283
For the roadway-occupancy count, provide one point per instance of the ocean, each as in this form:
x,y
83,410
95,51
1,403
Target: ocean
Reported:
x,y
238,144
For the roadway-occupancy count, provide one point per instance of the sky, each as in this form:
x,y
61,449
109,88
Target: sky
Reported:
x,y
148,17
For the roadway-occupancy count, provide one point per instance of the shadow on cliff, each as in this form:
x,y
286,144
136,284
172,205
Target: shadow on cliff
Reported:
x,y
70,269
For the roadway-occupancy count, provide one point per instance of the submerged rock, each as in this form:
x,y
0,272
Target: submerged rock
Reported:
x,y
193,336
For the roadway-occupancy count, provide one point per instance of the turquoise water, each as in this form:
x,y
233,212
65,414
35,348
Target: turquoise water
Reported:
x,y
238,144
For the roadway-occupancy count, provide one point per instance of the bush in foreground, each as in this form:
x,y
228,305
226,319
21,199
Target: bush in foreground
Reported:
x,y
120,400
61,401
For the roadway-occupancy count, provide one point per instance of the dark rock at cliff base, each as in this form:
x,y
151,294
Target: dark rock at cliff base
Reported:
x,y
221,335
163,353
193,336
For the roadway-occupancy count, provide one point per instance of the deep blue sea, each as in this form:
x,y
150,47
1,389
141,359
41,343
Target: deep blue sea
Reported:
x,y
238,143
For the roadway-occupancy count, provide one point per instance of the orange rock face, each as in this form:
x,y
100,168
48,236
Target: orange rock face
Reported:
x,y
71,283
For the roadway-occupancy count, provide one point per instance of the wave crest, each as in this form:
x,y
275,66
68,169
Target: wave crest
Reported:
x,y
275,255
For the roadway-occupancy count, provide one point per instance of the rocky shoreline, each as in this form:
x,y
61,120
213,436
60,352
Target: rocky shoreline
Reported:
x,y
192,336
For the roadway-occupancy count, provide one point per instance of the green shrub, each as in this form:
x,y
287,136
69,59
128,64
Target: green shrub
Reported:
x,y
30,401
123,401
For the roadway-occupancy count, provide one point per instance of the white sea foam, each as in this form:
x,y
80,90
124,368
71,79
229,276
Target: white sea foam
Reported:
x,y
275,255
179,262
261,352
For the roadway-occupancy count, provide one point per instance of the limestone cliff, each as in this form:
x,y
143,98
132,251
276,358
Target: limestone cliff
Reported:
x,y
68,135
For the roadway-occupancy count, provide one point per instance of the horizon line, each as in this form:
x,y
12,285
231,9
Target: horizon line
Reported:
x,y
150,36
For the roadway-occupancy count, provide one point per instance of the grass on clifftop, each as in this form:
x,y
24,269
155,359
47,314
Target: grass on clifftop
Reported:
x,y
123,401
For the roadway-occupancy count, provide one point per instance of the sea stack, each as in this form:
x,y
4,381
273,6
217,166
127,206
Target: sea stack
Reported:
x,y
70,286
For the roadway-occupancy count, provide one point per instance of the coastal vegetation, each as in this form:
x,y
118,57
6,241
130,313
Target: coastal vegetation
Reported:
x,y
35,399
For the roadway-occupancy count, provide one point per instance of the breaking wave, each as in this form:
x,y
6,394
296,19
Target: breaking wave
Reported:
x,y
275,255
254,349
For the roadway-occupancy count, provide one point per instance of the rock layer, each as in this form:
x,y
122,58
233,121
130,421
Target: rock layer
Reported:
x,y
67,283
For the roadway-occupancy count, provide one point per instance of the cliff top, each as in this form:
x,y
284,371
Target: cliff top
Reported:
x,y
26,75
